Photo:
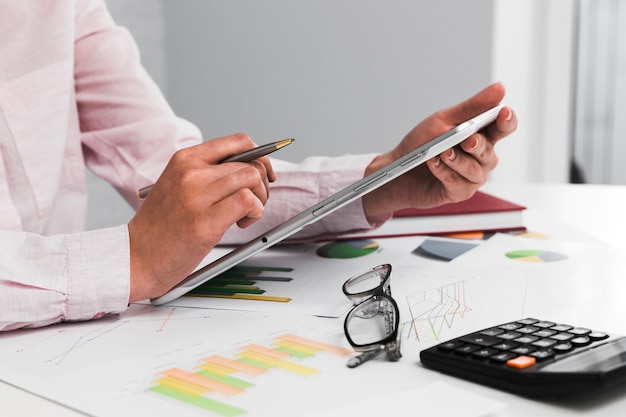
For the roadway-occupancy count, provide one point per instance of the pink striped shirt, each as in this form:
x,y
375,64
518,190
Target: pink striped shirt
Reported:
x,y
73,93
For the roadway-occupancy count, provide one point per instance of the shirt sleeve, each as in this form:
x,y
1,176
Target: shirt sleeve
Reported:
x,y
300,186
128,130
79,276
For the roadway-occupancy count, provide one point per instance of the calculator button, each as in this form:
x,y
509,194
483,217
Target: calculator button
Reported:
x,y
527,321
449,346
480,339
544,343
543,354
466,349
526,339
527,329
562,327
563,347
545,333
509,335
595,336
580,331
545,324
502,357
521,362
580,341
492,332
561,337
484,353
510,326
524,350
506,345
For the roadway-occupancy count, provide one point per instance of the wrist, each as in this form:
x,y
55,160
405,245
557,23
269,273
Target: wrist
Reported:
x,y
375,207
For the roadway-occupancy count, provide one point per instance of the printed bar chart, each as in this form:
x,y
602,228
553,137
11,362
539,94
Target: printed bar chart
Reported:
x,y
246,282
218,377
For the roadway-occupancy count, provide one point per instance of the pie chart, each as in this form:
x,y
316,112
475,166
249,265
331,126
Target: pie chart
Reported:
x,y
346,249
535,255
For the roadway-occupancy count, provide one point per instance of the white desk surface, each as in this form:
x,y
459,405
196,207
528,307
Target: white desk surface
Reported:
x,y
595,213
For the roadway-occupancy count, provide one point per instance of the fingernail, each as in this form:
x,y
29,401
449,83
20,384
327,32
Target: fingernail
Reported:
x,y
509,116
475,144
452,156
437,161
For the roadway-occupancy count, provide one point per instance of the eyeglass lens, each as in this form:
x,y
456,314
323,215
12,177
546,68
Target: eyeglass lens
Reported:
x,y
367,282
371,321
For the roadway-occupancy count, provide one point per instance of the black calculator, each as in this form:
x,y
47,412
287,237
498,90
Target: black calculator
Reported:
x,y
534,358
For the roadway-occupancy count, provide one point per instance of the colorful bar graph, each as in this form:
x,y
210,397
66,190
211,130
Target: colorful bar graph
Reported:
x,y
244,282
222,376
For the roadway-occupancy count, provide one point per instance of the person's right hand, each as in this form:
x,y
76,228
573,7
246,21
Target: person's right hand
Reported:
x,y
190,207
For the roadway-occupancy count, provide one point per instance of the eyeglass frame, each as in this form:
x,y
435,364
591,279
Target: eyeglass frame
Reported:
x,y
391,343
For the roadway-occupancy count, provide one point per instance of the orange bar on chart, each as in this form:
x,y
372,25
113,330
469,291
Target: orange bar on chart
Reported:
x,y
199,380
337,350
241,367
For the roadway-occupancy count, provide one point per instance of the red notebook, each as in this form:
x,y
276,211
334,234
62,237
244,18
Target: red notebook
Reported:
x,y
481,213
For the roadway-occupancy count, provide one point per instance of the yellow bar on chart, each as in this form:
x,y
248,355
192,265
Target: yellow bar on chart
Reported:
x,y
207,383
241,367
279,363
338,350
306,350
180,385
265,351
217,369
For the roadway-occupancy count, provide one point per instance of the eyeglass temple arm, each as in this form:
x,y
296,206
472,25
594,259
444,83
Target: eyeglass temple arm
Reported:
x,y
364,357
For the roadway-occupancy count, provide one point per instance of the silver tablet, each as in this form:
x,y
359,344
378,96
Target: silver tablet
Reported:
x,y
281,232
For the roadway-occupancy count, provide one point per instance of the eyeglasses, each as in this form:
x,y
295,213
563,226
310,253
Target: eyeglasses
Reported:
x,y
371,326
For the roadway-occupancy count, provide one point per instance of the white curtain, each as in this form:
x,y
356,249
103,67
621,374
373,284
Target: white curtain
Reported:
x,y
599,125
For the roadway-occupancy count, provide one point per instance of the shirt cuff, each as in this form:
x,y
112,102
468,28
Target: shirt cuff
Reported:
x,y
99,273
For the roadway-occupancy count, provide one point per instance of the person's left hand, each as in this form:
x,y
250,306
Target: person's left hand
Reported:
x,y
453,176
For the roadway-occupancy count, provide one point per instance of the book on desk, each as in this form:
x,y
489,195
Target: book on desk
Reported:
x,y
482,212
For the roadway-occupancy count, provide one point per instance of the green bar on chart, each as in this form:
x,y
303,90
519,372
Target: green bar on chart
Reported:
x,y
208,404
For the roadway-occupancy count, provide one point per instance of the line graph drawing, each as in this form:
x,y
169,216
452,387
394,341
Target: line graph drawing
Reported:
x,y
437,308
61,344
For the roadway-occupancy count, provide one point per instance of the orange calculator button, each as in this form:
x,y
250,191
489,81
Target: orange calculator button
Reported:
x,y
521,362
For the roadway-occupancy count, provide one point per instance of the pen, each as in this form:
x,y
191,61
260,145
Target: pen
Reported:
x,y
247,156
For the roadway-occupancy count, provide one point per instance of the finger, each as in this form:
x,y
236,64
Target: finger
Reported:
x,y
232,145
215,150
269,169
264,176
505,124
452,186
240,176
242,208
479,147
465,166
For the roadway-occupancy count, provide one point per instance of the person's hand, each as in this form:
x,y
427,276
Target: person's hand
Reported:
x,y
453,176
190,207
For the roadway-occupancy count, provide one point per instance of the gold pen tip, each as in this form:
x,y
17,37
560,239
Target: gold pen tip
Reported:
x,y
284,142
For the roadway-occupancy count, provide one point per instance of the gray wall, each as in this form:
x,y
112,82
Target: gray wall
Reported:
x,y
341,76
